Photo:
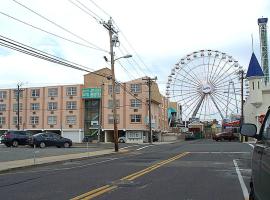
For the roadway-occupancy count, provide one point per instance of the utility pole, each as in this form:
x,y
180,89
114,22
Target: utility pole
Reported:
x,y
113,42
149,84
241,73
100,111
18,104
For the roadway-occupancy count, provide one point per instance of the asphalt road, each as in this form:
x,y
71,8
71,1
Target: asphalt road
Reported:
x,y
26,152
193,170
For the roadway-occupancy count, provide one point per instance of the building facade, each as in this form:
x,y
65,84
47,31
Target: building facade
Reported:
x,y
84,111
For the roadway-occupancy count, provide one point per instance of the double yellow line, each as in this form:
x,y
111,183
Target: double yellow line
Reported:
x,y
106,188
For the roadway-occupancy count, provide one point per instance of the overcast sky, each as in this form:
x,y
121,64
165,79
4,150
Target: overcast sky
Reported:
x,y
157,33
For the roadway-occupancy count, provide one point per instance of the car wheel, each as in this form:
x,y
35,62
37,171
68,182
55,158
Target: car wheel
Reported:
x,y
7,145
15,143
66,145
121,141
42,145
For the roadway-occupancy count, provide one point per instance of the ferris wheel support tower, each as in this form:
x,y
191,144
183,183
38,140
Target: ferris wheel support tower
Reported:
x,y
262,22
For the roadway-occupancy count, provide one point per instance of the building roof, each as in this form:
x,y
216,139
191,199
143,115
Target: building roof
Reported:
x,y
254,68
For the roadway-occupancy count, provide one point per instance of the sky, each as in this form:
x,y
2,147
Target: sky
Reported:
x,y
157,33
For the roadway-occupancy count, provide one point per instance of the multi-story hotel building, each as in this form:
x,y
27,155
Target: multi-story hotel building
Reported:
x,y
85,110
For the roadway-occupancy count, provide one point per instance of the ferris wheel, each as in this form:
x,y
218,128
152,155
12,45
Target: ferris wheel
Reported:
x,y
207,85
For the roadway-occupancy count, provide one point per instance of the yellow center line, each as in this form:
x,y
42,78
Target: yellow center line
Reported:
x,y
106,188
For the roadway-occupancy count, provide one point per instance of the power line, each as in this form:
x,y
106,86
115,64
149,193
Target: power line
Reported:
x,y
100,8
59,26
89,12
40,29
9,43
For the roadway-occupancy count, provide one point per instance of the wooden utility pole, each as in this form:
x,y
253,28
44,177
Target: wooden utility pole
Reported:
x,y
149,84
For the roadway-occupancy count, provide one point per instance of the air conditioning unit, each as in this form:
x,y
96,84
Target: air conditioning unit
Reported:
x,y
135,110
52,112
34,99
52,98
51,126
0,126
1,113
71,97
135,95
70,126
1,100
94,123
33,126
70,111
34,113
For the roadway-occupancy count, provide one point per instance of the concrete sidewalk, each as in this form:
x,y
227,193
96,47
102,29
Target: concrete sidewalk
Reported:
x,y
9,165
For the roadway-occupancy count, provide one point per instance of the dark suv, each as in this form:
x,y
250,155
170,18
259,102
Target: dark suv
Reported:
x,y
259,184
15,138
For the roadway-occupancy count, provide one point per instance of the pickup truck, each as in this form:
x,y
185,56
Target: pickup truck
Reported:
x,y
260,180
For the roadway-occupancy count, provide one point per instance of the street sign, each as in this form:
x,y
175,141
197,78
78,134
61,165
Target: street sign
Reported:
x,y
91,93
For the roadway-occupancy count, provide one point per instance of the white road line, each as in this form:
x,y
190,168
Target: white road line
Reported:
x,y
143,147
129,146
242,183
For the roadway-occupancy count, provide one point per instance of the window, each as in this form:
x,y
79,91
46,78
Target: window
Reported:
x,y
15,120
34,120
52,105
71,105
2,107
34,106
15,107
258,84
110,119
52,92
135,103
135,118
253,87
35,92
71,91
116,89
110,103
52,120
136,88
71,119
266,129
2,120
3,94
15,94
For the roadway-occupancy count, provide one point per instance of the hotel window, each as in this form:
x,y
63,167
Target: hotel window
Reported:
x,y
136,88
71,105
52,105
35,92
34,120
2,120
2,107
110,119
3,94
52,120
116,89
110,103
15,120
71,119
135,118
34,106
15,107
53,92
15,94
71,91
135,103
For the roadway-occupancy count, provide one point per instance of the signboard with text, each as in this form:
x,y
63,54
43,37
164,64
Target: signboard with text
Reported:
x,y
91,93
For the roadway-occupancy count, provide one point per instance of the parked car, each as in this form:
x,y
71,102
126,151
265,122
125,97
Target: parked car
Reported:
x,y
225,136
122,139
15,138
49,139
189,136
260,179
